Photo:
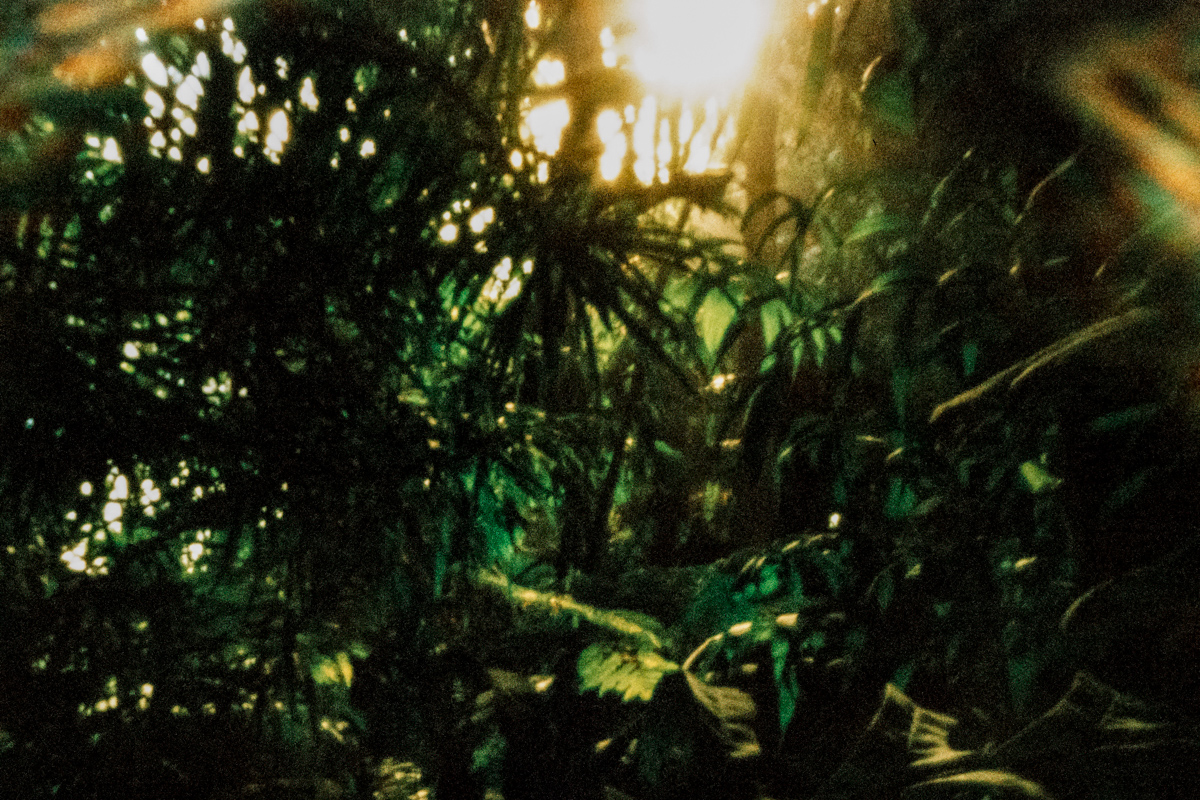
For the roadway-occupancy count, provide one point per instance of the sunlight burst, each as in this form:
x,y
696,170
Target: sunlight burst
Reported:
x,y
695,48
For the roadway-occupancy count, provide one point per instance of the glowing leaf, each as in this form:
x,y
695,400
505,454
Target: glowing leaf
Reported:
x,y
632,675
1037,479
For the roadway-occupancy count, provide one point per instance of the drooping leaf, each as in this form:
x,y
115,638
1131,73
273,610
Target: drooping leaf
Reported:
x,y
877,225
790,696
992,783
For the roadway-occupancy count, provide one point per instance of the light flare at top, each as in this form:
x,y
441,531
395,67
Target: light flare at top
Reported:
x,y
694,49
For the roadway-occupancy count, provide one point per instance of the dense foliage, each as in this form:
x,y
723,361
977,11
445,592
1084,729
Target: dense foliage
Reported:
x,y
351,445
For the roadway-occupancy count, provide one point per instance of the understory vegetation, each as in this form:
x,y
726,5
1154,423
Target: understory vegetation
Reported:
x,y
353,446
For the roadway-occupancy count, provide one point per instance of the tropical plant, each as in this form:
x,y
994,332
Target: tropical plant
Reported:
x,y
303,330
354,443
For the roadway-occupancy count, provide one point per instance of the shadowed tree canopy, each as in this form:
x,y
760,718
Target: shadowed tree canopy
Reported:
x,y
300,323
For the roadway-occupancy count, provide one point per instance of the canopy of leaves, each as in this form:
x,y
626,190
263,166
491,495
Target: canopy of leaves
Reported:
x,y
343,429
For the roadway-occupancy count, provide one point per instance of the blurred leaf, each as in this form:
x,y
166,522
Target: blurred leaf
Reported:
x,y
884,586
769,581
633,675
901,499
877,224
790,696
970,357
713,319
776,317
887,97
327,671
780,647
993,783
1128,490
1037,478
1132,416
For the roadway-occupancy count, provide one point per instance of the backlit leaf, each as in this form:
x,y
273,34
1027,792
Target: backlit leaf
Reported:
x,y
1037,478
632,675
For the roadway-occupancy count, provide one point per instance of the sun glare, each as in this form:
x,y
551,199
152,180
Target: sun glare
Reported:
x,y
545,123
697,48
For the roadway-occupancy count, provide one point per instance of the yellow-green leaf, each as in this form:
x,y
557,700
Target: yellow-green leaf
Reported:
x,y
1037,478
632,675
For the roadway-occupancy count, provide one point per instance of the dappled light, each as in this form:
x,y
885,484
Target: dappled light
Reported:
x,y
682,77
536,399
545,125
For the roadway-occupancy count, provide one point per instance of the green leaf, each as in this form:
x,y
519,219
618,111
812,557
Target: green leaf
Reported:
x,y
901,500
335,670
888,98
970,357
669,453
821,341
876,224
775,319
489,753
713,319
834,566
1126,417
780,647
768,581
789,699
1037,478
632,675
903,675
815,641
